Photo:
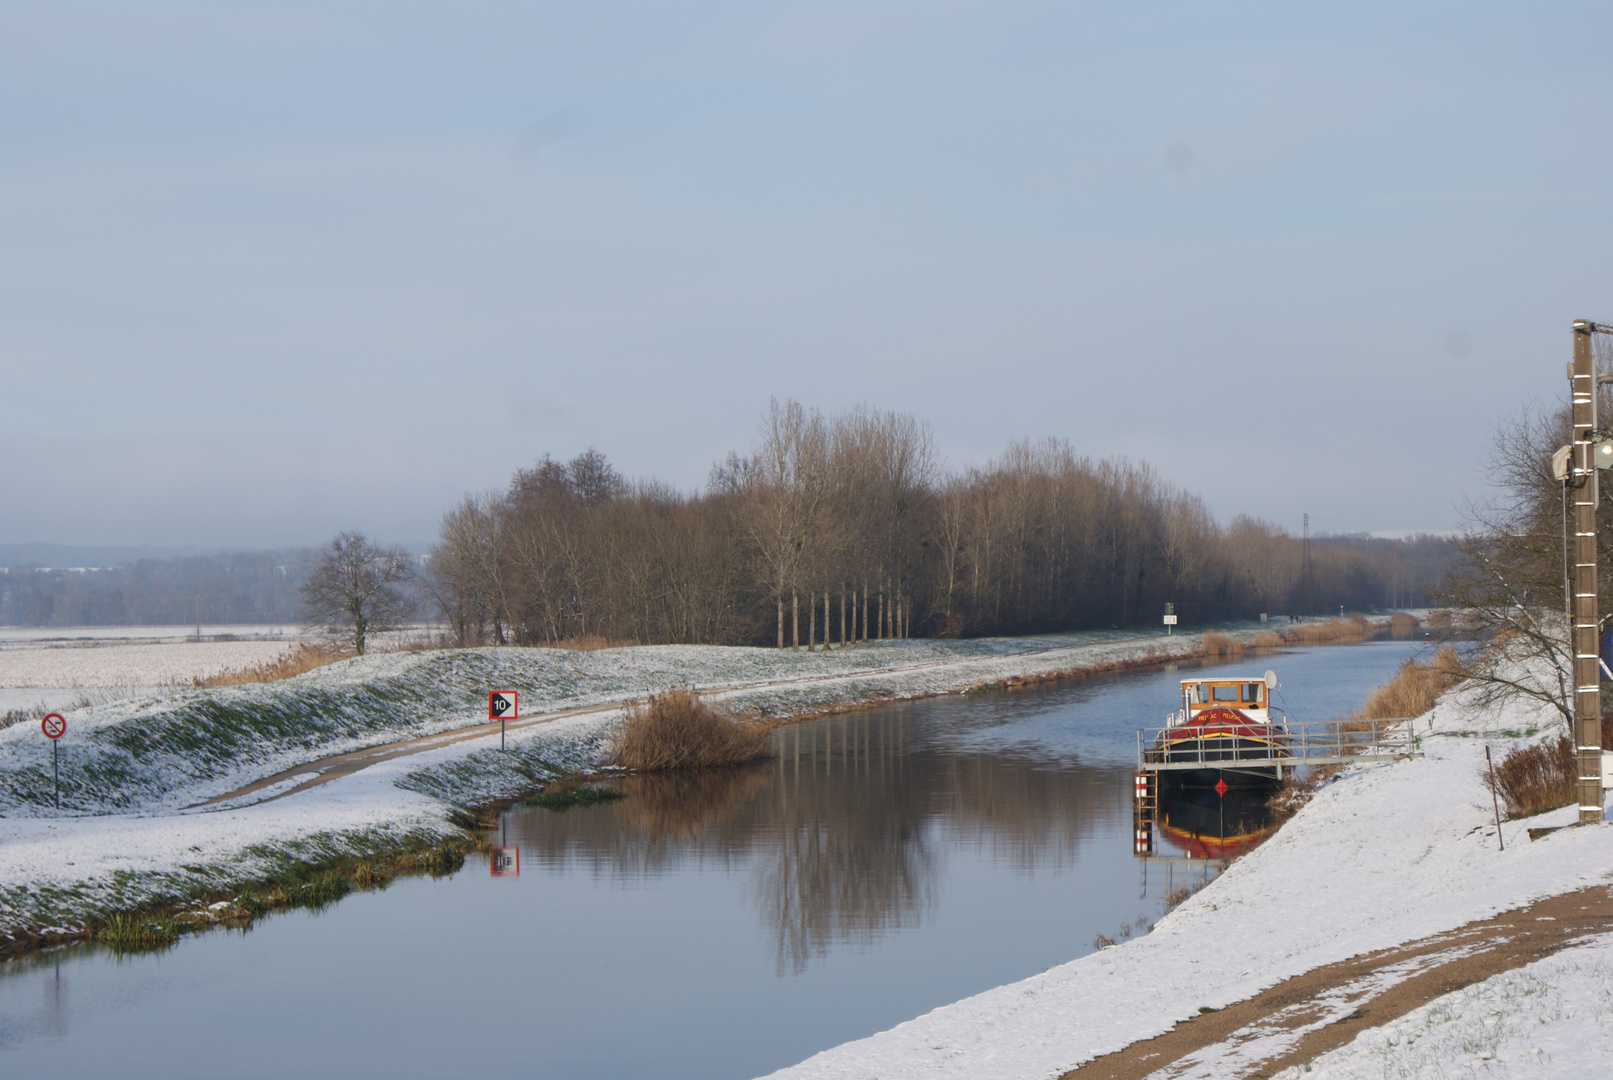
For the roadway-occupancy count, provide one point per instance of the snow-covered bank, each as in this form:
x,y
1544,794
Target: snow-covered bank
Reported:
x,y
130,768
1383,855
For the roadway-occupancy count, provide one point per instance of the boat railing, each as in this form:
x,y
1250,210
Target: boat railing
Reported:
x,y
1310,742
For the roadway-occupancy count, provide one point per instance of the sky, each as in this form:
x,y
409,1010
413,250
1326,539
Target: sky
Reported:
x,y
268,272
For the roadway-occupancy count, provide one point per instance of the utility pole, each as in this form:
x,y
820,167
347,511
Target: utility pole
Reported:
x,y
1587,637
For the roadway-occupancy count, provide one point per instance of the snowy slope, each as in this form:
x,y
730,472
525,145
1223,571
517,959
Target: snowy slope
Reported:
x,y
1385,854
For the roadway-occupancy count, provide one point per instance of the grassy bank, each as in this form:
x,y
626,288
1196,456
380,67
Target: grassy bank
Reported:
x,y
312,874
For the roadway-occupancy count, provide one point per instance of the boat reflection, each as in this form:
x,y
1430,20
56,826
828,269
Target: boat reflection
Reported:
x,y
1199,823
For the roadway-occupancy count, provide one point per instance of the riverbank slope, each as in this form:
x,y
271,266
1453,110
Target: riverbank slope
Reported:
x,y
1385,854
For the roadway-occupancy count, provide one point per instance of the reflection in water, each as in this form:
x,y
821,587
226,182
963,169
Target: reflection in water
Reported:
x,y
1201,824
843,831
55,1001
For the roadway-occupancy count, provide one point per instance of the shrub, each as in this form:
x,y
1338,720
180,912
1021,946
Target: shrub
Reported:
x,y
1533,779
1220,647
1268,640
676,730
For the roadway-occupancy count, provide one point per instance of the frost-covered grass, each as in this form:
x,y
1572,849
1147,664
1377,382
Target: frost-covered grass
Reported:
x,y
182,746
132,664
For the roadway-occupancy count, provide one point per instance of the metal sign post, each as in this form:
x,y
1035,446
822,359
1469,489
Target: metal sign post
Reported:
x,y
54,725
501,706
1170,618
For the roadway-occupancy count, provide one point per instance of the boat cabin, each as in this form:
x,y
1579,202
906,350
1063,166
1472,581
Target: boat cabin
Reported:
x,y
1248,695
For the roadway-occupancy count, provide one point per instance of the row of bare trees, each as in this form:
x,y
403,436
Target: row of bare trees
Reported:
x,y
845,528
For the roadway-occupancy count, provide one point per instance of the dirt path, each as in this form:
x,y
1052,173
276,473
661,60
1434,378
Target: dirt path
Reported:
x,y
337,766
1308,1014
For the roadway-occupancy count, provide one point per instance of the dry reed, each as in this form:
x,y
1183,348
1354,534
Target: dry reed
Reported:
x,y
1220,647
304,658
1414,689
676,730
1354,628
1403,626
1268,640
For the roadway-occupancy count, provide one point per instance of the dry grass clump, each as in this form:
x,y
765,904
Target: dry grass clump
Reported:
x,y
302,659
1220,647
1403,626
1354,628
1414,688
676,730
1533,779
1268,640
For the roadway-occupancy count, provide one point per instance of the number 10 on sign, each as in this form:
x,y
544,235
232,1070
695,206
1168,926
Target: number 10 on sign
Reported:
x,y
501,707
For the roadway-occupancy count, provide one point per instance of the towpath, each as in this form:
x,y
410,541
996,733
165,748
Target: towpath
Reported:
x,y
1309,1014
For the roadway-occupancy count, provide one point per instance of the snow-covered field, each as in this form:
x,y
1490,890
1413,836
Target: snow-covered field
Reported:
x,y
1384,854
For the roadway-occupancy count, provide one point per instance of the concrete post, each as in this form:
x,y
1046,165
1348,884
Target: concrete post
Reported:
x,y
1587,643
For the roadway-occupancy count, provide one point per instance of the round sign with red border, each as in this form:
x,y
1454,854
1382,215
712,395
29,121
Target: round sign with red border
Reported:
x,y
54,725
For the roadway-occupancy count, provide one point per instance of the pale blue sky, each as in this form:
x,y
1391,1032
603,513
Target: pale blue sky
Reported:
x,y
271,271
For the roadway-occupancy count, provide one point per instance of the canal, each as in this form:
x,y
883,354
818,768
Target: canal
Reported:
x,y
723,925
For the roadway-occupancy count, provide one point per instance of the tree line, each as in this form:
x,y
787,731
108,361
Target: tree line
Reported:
x,y
243,587
846,528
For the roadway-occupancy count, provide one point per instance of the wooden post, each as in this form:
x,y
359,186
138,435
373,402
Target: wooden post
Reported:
x,y
1495,800
1586,635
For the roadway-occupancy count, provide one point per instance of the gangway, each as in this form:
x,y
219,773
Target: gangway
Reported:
x,y
1309,742
1312,742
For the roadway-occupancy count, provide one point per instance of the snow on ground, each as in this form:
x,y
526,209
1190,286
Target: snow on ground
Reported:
x,y
130,768
1548,1019
34,637
106,666
1384,854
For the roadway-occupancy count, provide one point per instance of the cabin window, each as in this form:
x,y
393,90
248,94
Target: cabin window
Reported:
x,y
1251,692
1197,695
1226,693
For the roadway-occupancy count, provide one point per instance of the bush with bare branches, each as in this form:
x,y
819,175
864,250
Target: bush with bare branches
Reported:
x,y
676,730
1534,779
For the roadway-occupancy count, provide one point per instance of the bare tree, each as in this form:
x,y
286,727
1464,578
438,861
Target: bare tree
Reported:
x,y
358,588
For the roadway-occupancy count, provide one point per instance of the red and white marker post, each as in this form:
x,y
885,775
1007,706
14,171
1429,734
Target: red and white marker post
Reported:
x,y
54,725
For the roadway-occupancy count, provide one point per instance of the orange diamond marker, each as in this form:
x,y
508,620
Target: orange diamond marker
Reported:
x,y
1221,788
